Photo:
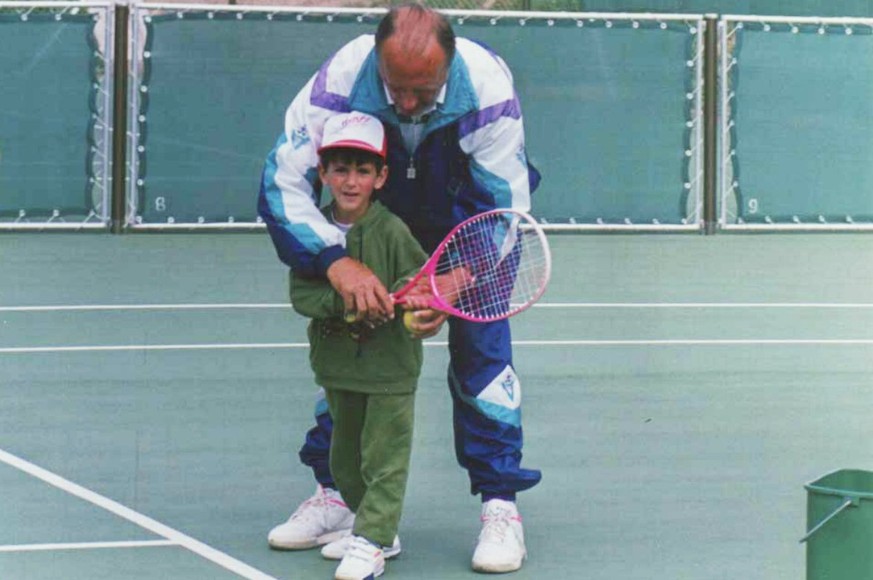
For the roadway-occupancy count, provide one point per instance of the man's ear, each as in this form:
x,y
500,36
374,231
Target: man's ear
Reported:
x,y
382,177
322,172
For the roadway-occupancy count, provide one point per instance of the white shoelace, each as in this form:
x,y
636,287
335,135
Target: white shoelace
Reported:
x,y
496,523
311,508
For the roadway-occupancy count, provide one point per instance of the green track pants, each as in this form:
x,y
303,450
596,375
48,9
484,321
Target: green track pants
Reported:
x,y
369,457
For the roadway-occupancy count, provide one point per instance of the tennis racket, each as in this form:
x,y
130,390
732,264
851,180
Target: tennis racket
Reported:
x,y
489,267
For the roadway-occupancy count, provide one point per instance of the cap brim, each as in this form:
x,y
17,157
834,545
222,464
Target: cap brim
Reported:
x,y
353,144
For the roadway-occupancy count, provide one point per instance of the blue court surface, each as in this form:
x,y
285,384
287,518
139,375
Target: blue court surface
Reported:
x,y
679,391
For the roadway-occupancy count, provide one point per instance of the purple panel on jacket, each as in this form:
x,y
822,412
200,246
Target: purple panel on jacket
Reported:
x,y
470,123
324,99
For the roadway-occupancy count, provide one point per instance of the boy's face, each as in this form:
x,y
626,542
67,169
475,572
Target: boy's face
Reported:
x,y
352,185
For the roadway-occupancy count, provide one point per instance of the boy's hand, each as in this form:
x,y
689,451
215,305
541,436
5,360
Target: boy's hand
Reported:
x,y
424,323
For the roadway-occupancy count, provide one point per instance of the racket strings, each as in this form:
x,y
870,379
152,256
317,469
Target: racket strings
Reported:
x,y
493,266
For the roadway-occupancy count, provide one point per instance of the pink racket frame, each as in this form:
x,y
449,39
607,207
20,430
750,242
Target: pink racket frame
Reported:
x,y
429,269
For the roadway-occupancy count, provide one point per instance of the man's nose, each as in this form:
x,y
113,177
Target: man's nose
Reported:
x,y
407,103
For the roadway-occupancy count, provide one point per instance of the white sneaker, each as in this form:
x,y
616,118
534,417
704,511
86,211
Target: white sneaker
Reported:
x,y
337,549
501,541
363,561
319,520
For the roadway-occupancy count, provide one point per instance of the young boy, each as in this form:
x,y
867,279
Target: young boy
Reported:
x,y
369,374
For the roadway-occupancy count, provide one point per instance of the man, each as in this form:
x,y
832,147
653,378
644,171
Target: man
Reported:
x,y
456,148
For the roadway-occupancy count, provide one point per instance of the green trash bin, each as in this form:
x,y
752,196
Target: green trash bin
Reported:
x,y
839,516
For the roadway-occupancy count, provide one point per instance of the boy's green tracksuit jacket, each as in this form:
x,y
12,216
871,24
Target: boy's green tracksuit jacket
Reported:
x,y
352,357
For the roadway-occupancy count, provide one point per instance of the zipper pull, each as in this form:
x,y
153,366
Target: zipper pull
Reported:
x,y
410,171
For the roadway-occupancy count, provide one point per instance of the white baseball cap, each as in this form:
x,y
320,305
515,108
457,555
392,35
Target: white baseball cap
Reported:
x,y
355,130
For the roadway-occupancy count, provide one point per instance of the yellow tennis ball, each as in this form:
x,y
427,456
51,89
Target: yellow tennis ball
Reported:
x,y
408,320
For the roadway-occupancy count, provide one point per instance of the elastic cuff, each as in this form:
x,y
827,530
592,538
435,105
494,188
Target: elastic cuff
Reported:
x,y
327,257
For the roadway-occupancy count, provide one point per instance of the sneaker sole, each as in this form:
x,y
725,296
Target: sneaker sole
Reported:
x,y
388,553
375,574
370,577
502,569
319,541
499,568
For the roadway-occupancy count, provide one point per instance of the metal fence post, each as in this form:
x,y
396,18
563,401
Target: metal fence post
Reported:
x,y
119,117
710,137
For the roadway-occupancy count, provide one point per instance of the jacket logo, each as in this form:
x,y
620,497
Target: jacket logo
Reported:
x,y
508,385
299,137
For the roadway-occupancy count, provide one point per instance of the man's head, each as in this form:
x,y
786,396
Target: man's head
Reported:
x,y
352,162
415,46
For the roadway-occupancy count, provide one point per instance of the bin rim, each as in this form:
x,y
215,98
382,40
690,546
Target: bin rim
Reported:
x,y
816,487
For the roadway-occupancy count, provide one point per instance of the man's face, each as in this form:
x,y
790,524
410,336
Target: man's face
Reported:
x,y
414,83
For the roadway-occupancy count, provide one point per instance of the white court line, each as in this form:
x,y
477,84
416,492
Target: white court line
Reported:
x,y
285,306
704,305
699,342
87,307
137,518
128,347
593,342
86,546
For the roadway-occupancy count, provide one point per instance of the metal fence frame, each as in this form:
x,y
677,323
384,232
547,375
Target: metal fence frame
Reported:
x,y
710,178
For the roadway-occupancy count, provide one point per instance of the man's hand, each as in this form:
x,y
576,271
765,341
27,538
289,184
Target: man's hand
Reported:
x,y
424,323
450,285
361,290
419,296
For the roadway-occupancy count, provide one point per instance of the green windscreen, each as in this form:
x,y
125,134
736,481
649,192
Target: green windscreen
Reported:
x,y
606,114
216,93
48,103
606,108
802,118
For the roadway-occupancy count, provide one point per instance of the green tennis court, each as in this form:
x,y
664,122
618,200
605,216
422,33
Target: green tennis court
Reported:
x,y
679,391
